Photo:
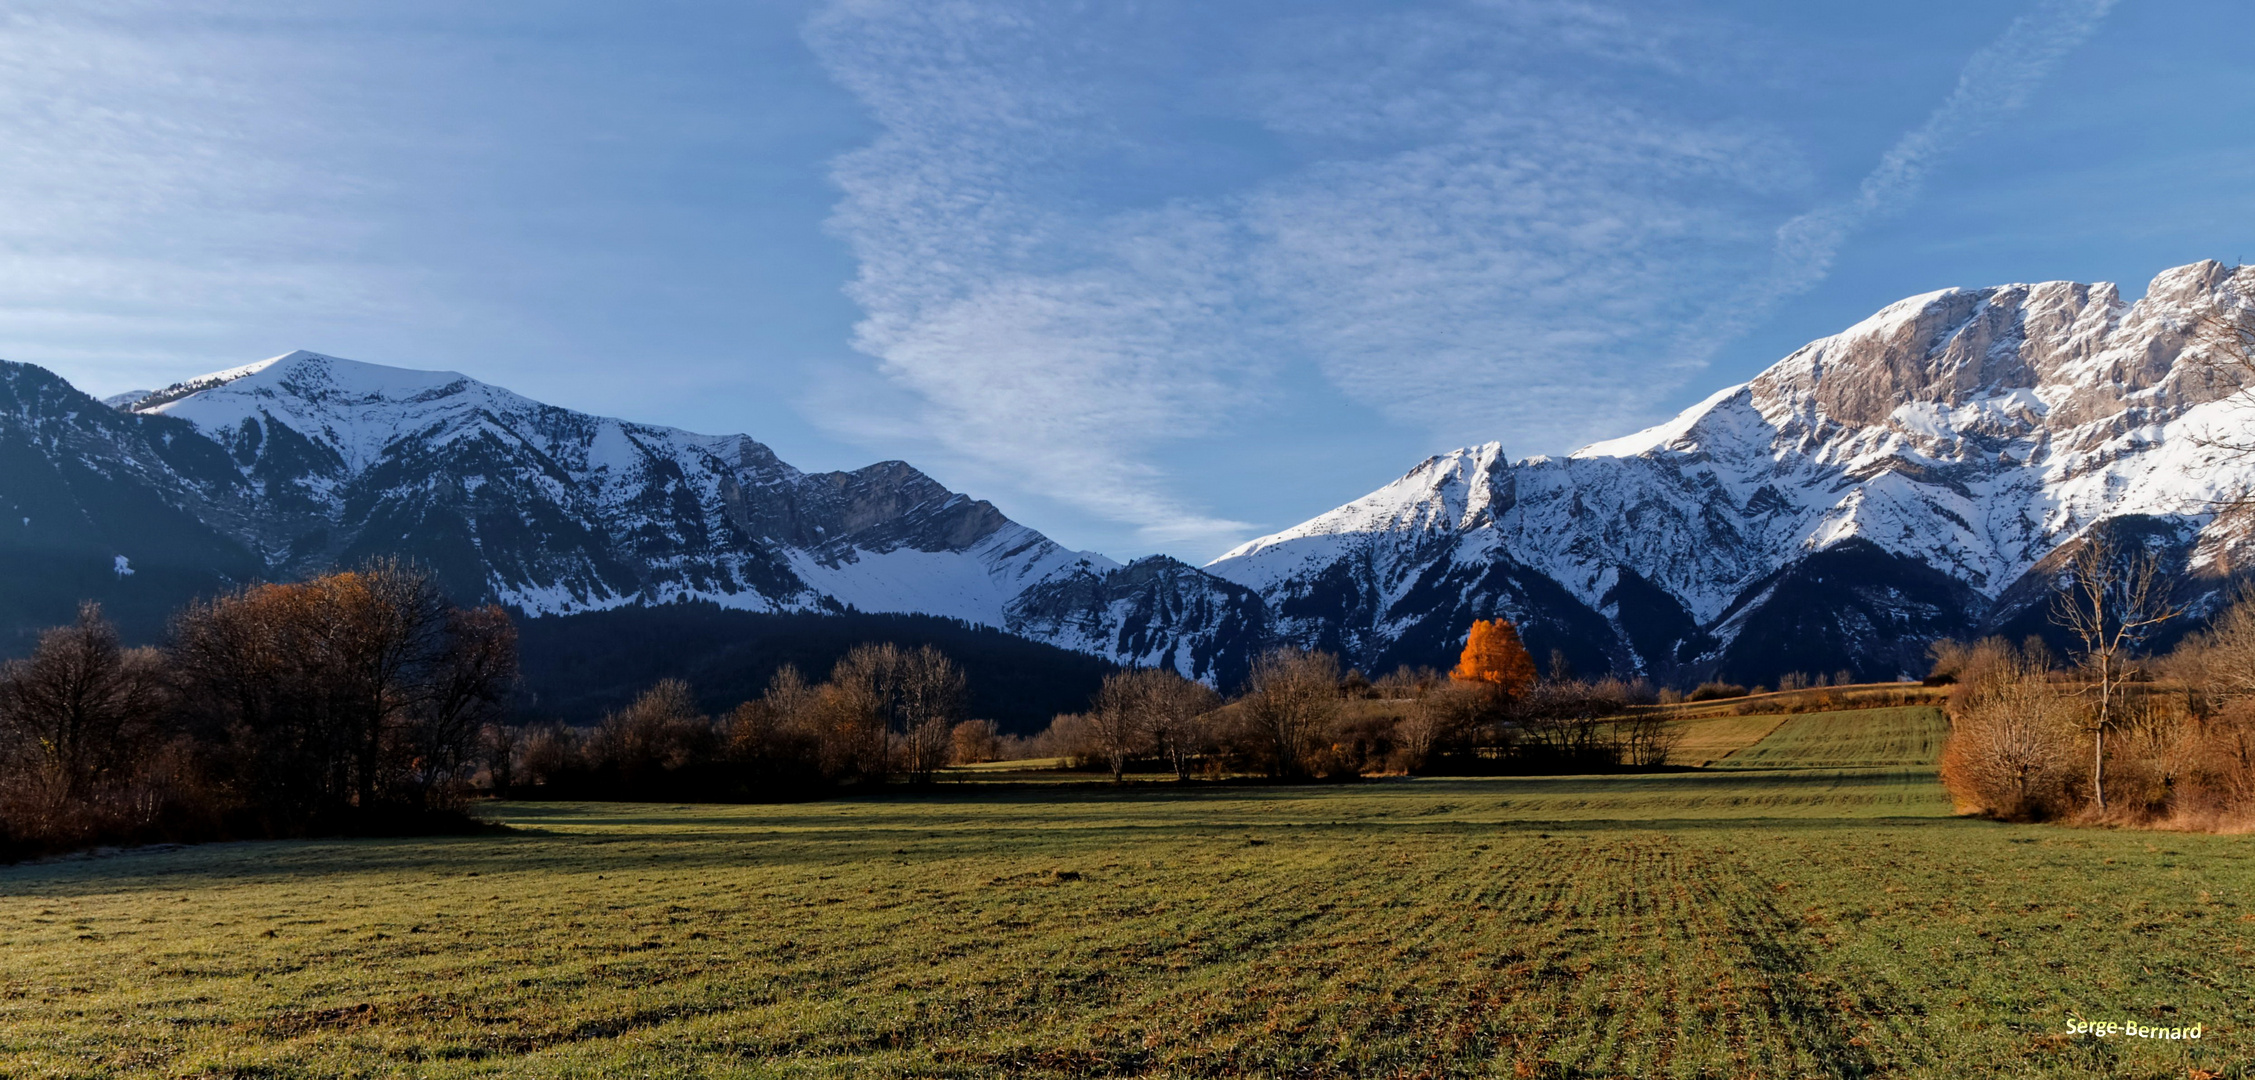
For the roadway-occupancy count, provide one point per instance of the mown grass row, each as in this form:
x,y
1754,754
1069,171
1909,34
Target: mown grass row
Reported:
x,y
1771,920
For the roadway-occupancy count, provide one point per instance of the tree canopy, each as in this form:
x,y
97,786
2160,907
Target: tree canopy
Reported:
x,y
1494,655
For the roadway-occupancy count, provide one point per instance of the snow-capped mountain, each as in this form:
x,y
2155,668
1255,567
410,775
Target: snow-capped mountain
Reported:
x,y
306,462
1904,479
552,511
1919,474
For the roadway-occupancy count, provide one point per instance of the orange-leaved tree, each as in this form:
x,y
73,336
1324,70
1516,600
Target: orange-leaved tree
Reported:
x,y
1494,656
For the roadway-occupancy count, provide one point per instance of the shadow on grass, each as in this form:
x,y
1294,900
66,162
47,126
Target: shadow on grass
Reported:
x,y
1005,821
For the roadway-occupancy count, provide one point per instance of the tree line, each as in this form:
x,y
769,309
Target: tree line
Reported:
x,y
887,713
2107,734
363,701
884,713
1298,717
351,702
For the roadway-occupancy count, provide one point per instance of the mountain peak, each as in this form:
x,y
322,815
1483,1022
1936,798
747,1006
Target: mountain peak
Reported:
x,y
1961,435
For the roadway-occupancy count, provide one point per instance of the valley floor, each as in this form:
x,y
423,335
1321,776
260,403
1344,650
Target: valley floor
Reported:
x,y
1808,908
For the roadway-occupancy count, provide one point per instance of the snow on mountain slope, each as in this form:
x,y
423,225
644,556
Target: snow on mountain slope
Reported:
x,y
556,511
1973,431
1918,474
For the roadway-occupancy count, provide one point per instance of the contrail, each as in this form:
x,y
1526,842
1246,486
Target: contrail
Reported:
x,y
1995,82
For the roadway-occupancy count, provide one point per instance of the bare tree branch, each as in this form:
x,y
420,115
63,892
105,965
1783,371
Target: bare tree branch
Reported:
x,y
2113,603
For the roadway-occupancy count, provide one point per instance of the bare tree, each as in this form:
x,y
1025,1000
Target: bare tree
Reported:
x,y
848,716
1568,722
1291,702
1408,683
756,730
774,742
465,691
1441,717
1648,739
2114,602
1120,722
1150,711
75,716
917,696
1070,737
1175,713
502,746
932,692
974,741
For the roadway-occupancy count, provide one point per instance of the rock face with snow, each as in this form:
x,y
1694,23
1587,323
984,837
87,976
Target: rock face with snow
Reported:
x,y
1920,474
551,511
1905,479
100,505
307,462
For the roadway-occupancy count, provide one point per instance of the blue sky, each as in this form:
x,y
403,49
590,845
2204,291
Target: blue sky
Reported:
x,y
1150,276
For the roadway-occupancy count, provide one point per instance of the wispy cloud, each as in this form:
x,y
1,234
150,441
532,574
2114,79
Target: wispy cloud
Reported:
x,y
159,185
1515,270
1457,239
1044,342
1995,83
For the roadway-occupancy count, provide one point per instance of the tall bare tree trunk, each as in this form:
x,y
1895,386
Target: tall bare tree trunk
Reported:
x,y
2098,767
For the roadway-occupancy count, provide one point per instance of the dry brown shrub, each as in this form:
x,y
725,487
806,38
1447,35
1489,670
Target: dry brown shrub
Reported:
x,y
2014,737
976,741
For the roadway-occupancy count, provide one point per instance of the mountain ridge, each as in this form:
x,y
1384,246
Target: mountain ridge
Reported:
x,y
1917,474
1973,431
305,462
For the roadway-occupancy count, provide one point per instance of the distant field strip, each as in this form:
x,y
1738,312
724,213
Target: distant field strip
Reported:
x,y
1775,921
1866,738
1709,738
1832,795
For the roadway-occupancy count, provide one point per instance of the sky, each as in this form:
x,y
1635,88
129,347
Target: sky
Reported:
x,y
1150,276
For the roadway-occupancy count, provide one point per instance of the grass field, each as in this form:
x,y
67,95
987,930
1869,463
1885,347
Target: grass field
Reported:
x,y
1847,740
1804,913
1708,738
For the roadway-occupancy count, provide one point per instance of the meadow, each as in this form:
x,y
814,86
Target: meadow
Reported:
x,y
1807,907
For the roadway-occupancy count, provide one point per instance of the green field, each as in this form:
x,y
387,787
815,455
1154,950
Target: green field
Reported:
x,y
1847,740
1771,919
1703,740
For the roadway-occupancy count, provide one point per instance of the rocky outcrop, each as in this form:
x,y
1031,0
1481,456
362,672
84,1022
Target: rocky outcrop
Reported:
x,y
1916,475
1897,481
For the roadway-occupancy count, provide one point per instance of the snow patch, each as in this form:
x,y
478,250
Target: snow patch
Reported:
x,y
1658,436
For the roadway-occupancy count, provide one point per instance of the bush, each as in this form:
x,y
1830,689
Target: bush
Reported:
x,y
2178,756
974,741
2014,743
1715,691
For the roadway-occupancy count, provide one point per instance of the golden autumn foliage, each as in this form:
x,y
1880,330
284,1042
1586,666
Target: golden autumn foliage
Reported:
x,y
1494,655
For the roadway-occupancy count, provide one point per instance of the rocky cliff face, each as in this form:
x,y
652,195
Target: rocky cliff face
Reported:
x,y
1920,474
307,462
99,505
553,511
1894,482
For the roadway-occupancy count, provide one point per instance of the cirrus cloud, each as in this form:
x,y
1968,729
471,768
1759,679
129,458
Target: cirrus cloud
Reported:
x,y
1479,220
